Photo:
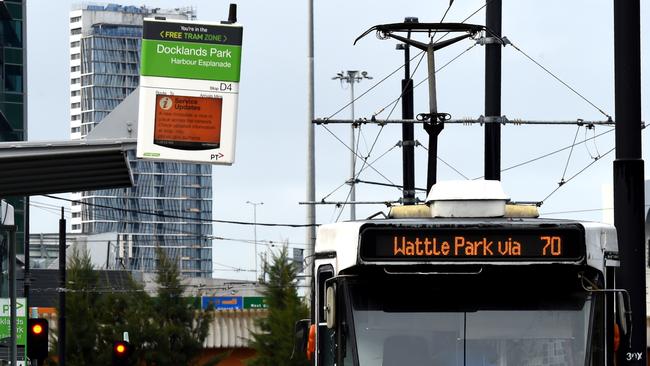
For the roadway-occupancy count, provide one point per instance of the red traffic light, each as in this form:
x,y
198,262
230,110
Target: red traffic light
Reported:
x,y
121,353
37,339
37,329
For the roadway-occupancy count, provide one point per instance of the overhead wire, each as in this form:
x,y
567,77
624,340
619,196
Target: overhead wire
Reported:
x,y
466,19
426,79
595,144
575,175
365,160
192,219
549,154
557,78
446,163
421,55
570,153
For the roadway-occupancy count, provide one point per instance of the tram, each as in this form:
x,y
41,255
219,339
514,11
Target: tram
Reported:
x,y
466,279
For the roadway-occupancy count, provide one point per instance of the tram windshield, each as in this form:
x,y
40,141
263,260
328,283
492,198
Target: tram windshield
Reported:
x,y
419,323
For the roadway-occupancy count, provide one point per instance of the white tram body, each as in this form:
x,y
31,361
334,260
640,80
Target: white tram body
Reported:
x,y
464,280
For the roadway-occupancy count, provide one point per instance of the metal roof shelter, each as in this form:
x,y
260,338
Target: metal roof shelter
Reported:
x,y
35,168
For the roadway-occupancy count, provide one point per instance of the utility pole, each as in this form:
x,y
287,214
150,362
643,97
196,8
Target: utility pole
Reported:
x,y
351,77
62,287
255,204
493,46
311,161
629,197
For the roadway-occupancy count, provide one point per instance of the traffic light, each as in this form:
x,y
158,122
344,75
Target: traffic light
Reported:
x,y
121,352
37,330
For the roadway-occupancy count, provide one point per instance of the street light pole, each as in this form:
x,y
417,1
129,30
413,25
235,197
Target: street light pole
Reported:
x,y
351,77
255,204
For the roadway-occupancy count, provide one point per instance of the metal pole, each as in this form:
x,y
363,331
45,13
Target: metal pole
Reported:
x,y
255,238
27,280
12,295
311,162
408,133
433,128
352,75
493,91
254,204
629,213
62,286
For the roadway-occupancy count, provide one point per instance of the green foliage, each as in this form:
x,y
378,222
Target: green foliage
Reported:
x,y
178,329
274,344
82,312
163,330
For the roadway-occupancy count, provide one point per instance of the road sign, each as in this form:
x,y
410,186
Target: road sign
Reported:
x,y
255,302
21,320
189,88
223,302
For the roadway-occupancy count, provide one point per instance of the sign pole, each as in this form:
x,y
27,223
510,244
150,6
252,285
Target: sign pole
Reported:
x,y
62,261
12,295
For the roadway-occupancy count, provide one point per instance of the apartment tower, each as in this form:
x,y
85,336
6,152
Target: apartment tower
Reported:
x,y
170,206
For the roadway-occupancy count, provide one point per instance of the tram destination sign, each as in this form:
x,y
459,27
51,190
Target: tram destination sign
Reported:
x,y
482,244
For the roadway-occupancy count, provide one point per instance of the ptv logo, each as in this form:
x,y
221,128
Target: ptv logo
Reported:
x,y
216,156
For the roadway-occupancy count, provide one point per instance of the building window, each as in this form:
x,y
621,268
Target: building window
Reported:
x,y
75,130
75,19
75,31
13,78
75,105
75,81
75,56
75,44
75,68
76,227
76,214
75,117
75,93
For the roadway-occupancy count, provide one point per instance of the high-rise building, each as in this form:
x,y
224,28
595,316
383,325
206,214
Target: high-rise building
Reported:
x,y
13,103
170,205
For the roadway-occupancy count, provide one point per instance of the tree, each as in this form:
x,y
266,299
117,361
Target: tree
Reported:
x,y
274,344
129,310
163,330
178,329
82,311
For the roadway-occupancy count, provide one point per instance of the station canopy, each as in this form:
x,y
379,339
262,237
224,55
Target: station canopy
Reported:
x,y
36,168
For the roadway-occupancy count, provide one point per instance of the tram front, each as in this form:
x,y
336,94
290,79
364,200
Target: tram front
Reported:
x,y
473,291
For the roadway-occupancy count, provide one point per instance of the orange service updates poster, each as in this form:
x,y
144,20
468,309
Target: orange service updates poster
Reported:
x,y
188,123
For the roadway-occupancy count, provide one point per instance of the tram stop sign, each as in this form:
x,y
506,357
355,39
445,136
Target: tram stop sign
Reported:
x,y
189,89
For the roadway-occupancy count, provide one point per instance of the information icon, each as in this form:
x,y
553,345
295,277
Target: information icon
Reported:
x,y
165,103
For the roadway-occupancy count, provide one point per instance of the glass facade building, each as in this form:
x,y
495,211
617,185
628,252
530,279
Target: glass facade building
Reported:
x,y
13,105
170,206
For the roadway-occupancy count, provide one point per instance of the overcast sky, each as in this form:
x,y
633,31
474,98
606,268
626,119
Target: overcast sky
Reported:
x,y
572,39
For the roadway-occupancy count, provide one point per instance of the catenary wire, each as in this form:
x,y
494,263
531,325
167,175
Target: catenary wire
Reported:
x,y
559,80
566,166
425,79
575,175
466,19
549,154
446,163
